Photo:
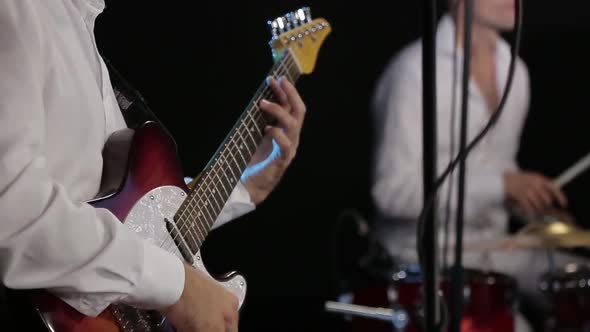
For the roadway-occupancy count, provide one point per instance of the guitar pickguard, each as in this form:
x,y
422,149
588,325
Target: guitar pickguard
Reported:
x,y
148,218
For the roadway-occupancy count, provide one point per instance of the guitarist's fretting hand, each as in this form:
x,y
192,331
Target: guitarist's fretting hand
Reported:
x,y
269,163
204,306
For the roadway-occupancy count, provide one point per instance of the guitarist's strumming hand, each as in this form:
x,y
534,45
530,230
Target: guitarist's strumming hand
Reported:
x,y
280,143
204,306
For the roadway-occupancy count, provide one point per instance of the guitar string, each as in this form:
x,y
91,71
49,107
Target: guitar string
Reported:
x,y
252,116
214,172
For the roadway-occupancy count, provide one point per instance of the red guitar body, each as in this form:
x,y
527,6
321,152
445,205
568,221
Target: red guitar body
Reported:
x,y
135,163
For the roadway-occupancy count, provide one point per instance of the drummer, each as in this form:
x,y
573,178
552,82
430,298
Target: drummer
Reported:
x,y
493,177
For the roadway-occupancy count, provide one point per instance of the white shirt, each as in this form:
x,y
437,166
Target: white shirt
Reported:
x,y
397,175
57,108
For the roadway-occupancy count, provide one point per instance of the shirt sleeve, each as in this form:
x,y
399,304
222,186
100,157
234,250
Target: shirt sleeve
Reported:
x,y
397,179
47,240
238,204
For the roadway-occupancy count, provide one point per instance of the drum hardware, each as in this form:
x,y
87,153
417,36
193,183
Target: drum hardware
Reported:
x,y
489,302
398,317
568,290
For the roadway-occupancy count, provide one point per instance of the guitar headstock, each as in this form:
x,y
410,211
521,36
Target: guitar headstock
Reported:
x,y
297,32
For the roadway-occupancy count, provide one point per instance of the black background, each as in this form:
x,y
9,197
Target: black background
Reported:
x,y
198,64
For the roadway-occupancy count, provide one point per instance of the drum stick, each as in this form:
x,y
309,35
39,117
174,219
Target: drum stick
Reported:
x,y
564,178
571,173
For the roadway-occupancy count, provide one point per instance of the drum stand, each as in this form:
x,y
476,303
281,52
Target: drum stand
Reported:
x,y
429,240
398,317
550,261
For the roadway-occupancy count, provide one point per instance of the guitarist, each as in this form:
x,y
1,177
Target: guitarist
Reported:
x,y
57,109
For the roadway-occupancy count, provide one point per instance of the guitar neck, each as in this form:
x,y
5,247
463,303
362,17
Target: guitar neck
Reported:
x,y
205,201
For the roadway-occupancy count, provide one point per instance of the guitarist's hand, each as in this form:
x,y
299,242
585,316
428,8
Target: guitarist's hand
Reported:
x,y
203,306
280,143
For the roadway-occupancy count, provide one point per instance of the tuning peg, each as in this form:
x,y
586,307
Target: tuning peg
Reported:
x,y
304,14
293,20
301,17
283,24
288,22
273,26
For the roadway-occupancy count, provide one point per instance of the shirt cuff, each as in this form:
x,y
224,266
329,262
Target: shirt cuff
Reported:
x,y
238,204
162,280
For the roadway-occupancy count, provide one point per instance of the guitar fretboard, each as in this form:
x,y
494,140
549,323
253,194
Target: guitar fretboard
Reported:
x,y
204,203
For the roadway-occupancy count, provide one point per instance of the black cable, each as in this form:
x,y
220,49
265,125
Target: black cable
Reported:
x,y
493,119
133,106
457,273
462,155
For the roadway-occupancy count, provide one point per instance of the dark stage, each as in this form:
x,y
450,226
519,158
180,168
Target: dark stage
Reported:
x,y
199,63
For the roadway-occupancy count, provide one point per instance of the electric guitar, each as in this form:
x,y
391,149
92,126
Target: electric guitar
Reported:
x,y
143,186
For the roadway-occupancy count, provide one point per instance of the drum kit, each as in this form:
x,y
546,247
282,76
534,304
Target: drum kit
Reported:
x,y
490,299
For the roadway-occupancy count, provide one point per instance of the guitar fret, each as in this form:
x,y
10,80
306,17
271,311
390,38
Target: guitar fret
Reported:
x,y
194,214
293,69
205,206
260,119
195,243
212,195
221,181
195,218
209,194
243,159
198,221
266,94
183,226
198,209
254,128
235,167
257,130
250,146
254,144
285,71
230,167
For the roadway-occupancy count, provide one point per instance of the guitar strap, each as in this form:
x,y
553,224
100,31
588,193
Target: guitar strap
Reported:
x,y
132,104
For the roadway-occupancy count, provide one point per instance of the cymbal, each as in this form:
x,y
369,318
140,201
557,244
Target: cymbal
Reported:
x,y
505,243
535,235
558,234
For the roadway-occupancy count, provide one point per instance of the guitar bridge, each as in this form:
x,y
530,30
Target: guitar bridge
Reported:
x,y
132,319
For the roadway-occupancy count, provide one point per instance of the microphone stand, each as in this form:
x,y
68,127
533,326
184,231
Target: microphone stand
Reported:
x,y
430,239
398,317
